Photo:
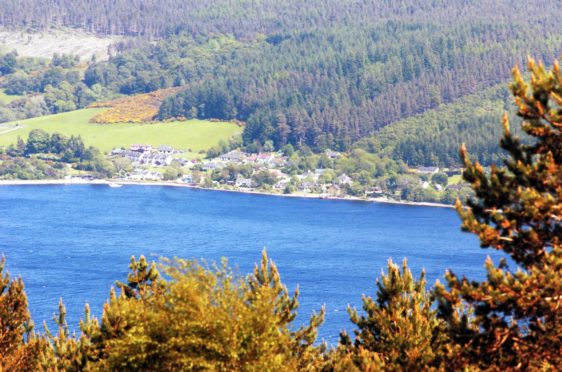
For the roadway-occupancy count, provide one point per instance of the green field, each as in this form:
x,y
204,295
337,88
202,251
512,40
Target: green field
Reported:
x,y
193,134
5,98
453,180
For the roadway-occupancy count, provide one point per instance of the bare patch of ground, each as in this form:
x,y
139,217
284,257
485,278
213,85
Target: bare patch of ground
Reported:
x,y
7,128
64,41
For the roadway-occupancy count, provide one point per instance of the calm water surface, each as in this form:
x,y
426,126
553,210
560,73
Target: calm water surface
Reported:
x,y
75,241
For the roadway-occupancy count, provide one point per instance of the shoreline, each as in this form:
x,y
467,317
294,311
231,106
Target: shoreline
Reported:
x,y
382,200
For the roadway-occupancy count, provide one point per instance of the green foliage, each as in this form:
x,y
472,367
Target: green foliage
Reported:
x,y
29,169
8,63
400,329
37,141
440,179
172,173
264,178
517,321
45,153
60,84
69,149
433,138
18,83
197,318
196,135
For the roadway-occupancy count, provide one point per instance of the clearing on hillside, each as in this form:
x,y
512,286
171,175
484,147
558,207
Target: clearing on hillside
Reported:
x,y
63,41
141,108
7,98
197,135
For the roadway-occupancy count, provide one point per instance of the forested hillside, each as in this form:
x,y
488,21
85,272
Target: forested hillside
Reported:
x,y
247,18
318,73
325,88
433,138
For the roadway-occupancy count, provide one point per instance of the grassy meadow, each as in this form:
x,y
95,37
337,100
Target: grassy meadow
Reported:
x,y
196,135
6,98
456,179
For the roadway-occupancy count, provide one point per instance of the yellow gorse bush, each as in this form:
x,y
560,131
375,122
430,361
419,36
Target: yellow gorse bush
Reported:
x,y
140,108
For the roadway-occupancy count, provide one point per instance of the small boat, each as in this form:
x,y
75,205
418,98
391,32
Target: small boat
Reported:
x,y
115,185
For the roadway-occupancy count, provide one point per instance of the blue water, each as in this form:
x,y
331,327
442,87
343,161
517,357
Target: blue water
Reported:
x,y
75,241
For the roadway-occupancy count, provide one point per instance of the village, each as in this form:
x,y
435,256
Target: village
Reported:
x,y
274,172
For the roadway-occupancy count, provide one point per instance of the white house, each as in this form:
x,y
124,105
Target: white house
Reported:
x,y
244,182
344,179
427,170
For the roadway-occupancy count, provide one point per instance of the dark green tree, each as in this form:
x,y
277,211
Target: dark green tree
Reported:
x,y
8,63
440,179
37,142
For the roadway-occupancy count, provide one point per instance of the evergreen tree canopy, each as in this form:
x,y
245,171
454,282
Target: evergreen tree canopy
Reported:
x,y
399,330
517,209
194,317
15,326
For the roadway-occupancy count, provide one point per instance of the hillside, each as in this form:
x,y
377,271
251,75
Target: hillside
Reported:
x,y
132,109
434,137
320,74
334,78
63,41
196,135
246,19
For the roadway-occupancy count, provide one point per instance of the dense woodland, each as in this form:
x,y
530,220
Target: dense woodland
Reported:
x,y
44,86
321,73
433,138
245,19
323,89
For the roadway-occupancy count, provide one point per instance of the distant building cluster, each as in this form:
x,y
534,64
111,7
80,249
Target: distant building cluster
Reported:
x,y
273,171
147,155
267,159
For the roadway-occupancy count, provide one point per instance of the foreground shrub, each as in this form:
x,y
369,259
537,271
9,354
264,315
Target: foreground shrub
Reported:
x,y
197,318
399,329
16,327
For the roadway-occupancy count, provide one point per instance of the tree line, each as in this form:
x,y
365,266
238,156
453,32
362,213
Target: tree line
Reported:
x,y
42,151
248,19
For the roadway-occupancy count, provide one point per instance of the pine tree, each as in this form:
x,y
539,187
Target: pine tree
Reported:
x,y
143,279
399,331
199,318
517,209
15,327
265,287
